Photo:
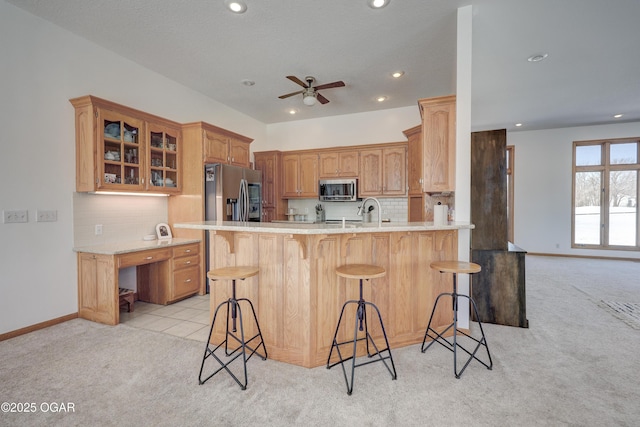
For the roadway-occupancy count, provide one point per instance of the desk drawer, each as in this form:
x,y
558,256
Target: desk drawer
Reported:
x,y
186,250
143,257
186,261
185,282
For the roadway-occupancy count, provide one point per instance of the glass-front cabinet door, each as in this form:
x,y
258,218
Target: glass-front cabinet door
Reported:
x,y
121,152
164,158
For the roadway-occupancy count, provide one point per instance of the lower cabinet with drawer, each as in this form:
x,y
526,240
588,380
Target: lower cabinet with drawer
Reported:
x,y
185,272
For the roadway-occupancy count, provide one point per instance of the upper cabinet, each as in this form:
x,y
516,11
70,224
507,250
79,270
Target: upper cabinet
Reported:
x,y
339,164
269,163
438,143
416,200
163,157
122,149
221,146
414,161
300,175
383,171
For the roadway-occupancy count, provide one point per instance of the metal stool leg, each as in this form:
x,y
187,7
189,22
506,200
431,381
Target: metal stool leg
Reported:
x,y
360,325
455,345
234,312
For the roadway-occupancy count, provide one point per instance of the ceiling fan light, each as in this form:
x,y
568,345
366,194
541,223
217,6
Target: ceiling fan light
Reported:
x,y
377,4
309,99
236,6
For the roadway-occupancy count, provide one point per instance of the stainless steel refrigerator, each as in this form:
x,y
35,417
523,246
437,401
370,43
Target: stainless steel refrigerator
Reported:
x,y
232,193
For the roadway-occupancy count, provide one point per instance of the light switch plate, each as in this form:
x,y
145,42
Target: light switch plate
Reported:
x,y
10,217
46,216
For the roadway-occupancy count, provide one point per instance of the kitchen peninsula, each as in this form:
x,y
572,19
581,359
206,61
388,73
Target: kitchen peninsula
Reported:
x,y
298,296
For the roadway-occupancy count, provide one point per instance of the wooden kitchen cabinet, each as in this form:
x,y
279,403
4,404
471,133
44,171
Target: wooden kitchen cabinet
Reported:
x,y
383,171
439,143
339,164
185,272
416,200
97,292
414,160
300,175
222,146
268,162
113,150
163,158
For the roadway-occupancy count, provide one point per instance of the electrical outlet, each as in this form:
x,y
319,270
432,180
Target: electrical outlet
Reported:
x,y
9,217
98,229
46,216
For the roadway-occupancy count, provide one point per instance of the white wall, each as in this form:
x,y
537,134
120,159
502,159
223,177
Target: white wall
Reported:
x,y
375,127
543,162
42,67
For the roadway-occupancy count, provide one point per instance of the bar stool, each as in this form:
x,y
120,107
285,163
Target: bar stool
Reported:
x,y
361,272
234,312
456,267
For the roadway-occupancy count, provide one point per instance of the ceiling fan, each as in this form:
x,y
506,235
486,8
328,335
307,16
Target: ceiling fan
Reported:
x,y
310,93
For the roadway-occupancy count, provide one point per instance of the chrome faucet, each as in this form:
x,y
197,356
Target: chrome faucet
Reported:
x,y
361,210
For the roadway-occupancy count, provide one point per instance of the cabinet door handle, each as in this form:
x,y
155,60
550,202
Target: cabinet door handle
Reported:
x,y
187,281
187,251
149,257
188,262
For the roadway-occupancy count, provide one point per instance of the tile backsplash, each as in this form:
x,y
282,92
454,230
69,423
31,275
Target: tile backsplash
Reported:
x,y
123,218
394,208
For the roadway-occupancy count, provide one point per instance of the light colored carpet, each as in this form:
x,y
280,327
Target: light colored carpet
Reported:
x,y
626,311
577,365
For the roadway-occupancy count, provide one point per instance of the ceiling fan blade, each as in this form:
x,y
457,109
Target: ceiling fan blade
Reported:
x,y
321,98
298,81
290,94
330,85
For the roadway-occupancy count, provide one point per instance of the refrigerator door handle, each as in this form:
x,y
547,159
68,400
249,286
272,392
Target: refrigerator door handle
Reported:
x,y
243,201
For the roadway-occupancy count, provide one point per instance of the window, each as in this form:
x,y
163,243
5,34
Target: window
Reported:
x,y
605,194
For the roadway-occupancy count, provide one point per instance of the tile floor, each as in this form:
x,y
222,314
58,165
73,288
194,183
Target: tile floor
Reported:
x,y
188,318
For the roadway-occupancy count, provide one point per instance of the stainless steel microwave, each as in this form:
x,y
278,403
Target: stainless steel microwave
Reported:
x,y
338,190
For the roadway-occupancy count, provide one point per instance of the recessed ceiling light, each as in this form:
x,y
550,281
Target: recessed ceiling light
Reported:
x,y
518,124
398,74
537,57
247,82
377,4
293,111
236,6
617,116
381,98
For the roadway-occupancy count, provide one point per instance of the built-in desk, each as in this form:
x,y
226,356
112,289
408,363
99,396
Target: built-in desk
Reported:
x,y
166,270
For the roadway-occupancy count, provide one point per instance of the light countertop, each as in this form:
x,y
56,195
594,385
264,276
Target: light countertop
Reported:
x,y
295,227
133,246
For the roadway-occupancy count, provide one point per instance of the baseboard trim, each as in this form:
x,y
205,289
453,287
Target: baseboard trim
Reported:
x,y
584,256
37,326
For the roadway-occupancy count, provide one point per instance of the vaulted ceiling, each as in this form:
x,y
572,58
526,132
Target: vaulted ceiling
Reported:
x,y
591,72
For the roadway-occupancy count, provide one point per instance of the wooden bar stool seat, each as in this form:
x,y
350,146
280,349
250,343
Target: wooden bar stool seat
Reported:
x,y
361,272
234,345
457,267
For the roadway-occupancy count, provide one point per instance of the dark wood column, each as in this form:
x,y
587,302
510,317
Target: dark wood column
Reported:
x,y
499,289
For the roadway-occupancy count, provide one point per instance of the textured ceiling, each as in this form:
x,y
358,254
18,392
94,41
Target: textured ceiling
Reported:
x,y
591,72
